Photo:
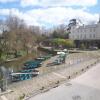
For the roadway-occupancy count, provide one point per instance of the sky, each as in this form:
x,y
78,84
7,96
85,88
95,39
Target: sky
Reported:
x,y
50,13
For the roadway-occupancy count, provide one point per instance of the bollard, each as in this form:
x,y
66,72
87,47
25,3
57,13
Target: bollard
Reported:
x,y
69,77
76,73
82,70
42,88
87,67
57,82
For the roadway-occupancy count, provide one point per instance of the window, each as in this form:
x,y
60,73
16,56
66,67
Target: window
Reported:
x,y
81,36
93,35
90,30
81,30
85,30
84,36
78,36
94,29
90,36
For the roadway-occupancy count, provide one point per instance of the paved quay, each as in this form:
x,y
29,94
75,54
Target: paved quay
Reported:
x,y
84,87
74,66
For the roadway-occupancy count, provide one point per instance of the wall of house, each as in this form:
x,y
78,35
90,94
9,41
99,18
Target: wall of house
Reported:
x,y
89,32
98,31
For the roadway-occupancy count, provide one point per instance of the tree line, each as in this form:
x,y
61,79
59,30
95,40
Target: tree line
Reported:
x,y
17,36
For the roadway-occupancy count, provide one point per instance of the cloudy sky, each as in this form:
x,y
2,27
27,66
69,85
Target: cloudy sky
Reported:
x,y
51,12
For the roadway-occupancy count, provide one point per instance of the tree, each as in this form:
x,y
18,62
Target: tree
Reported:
x,y
63,42
17,36
11,36
82,46
69,43
60,32
20,36
55,34
72,22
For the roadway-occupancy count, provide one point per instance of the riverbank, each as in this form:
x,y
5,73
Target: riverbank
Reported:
x,y
45,82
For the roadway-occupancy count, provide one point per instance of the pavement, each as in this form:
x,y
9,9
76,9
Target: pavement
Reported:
x,y
84,87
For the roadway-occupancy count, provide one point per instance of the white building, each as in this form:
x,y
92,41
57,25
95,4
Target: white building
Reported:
x,y
88,32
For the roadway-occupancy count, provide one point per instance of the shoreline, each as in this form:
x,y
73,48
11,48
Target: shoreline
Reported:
x,y
47,82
